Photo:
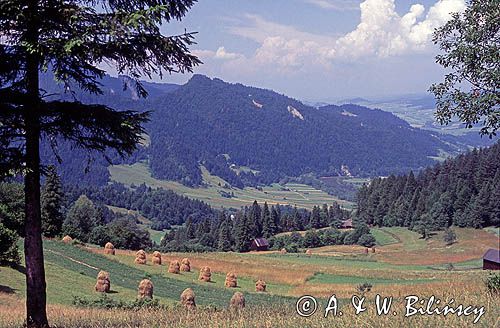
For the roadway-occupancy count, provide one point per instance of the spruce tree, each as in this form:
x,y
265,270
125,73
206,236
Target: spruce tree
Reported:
x,y
52,204
224,237
242,233
315,219
268,226
71,39
495,200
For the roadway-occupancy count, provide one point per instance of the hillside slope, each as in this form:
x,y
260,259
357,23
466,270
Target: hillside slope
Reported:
x,y
221,124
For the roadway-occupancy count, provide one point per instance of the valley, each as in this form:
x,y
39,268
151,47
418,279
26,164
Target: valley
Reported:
x,y
214,193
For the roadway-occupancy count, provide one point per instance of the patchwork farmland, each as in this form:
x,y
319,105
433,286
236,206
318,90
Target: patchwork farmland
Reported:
x,y
400,266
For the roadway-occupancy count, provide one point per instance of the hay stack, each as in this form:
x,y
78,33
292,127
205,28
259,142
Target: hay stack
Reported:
x,y
156,258
67,239
231,280
237,301
309,252
174,267
103,284
260,286
187,299
145,289
109,249
140,257
185,265
283,251
205,274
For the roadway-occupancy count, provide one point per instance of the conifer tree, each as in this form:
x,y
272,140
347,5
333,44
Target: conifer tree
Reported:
x,y
224,240
268,226
52,203
71,39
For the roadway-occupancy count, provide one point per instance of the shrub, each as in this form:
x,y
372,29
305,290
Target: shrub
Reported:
x,y
9,252
105,302
492,283
364,287
367,240
449,237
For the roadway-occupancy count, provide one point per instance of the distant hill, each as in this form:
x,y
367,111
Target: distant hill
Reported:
x,y
250,136
221,124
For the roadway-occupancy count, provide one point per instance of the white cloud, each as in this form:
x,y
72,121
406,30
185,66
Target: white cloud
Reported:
x,y
220,54
382,32
341,5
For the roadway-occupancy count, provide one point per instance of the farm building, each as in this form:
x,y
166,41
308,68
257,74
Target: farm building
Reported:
x,y
346,224
491,259
259,244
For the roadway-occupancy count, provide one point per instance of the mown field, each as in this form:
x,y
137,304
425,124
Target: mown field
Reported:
x,y
402,265
303,196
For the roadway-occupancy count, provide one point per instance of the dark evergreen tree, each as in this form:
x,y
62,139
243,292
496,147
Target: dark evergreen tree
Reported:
x,y
72,38
242,233
315,219
268,225
224,237
52,204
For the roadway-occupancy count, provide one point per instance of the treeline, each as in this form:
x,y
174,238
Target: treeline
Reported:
x,y
66,214
324,237
163,207
236,231
464,191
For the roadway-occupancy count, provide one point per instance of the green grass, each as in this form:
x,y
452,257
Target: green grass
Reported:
x,y
323,278
245,284
128,277
493,230
301,195
358,262
411,240
383,237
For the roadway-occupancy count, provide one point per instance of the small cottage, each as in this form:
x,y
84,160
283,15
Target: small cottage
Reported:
x,y
346,224
259,245
491,259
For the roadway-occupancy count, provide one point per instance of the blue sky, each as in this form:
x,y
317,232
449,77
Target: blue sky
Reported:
x,y
319,50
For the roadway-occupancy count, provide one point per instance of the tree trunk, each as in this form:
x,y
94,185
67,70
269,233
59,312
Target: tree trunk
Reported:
x,y
36,297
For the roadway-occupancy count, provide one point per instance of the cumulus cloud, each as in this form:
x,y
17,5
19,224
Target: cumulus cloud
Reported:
x,y
220,54
381,32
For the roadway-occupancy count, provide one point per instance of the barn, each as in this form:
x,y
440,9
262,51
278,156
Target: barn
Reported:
x,y
259,244
491,259
346,224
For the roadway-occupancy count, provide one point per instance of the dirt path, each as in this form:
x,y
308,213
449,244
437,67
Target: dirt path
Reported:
x,y
72,259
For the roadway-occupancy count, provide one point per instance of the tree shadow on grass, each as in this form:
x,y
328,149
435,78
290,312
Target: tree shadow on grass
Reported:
x,y
7,290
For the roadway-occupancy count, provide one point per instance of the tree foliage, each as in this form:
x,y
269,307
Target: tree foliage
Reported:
x,y
72,38
462,191
52,204
471,88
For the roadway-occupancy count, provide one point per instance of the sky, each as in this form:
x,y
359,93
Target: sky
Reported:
x,y
318,50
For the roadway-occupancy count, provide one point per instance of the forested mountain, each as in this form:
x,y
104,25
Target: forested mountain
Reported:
x,y
220,124
464,191
227,126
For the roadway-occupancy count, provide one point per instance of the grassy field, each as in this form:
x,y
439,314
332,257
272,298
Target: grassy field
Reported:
x,y
290,194
402,265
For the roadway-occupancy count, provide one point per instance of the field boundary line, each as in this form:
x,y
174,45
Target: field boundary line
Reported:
x,y
72,259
